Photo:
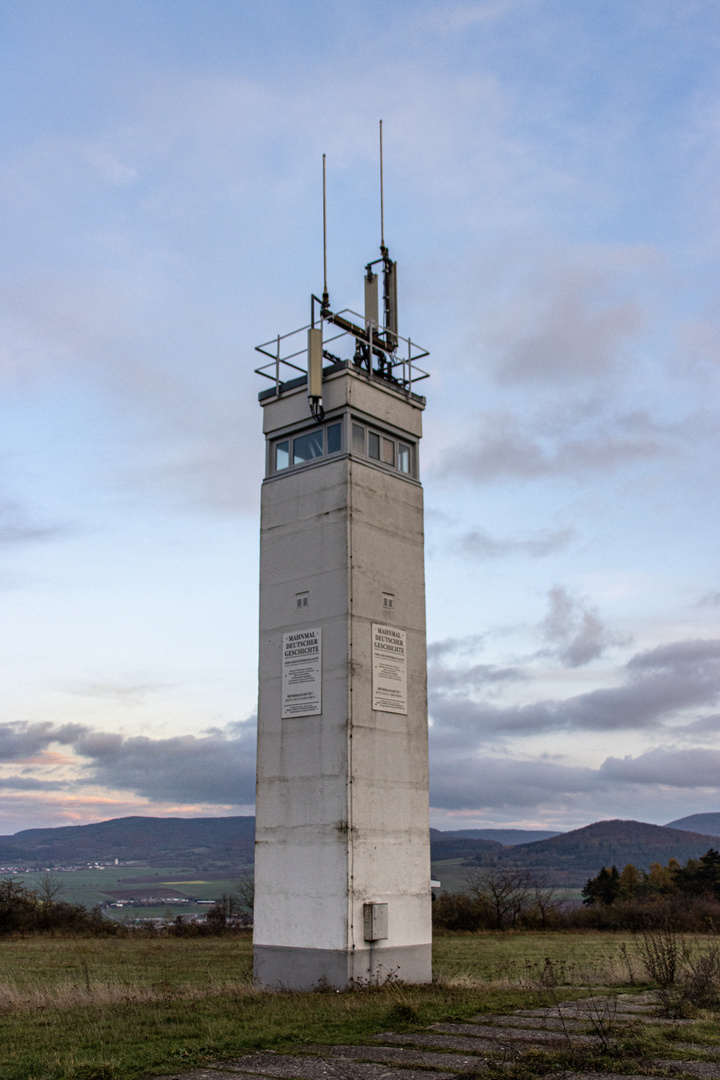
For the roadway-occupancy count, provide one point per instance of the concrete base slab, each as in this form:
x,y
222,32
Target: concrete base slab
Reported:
x,y
306,1067
279,967
516,1034
392,1055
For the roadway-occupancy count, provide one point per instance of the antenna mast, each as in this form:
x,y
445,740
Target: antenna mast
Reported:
x,y
325,296
382,206
389,270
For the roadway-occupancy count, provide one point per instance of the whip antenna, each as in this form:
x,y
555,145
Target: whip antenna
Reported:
x,y
325,297
382,206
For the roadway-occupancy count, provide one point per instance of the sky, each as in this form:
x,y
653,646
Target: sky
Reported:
x,y
552,199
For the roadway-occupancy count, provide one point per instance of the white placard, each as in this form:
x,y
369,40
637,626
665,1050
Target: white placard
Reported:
x,y
302,673
389,669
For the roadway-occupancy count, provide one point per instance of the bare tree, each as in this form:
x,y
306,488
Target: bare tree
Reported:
x,y
49,887
225,908
502,891
245,891
545,898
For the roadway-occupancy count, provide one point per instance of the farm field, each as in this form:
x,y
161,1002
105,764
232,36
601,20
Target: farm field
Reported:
x,y
92,887
119,1009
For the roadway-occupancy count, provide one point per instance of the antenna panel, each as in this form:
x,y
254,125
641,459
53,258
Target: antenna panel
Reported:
x,y
391,300
372,310
315,359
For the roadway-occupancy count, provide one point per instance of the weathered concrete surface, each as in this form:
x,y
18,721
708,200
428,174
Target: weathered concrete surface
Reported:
x,y
515,1034
445,1051
465,1044
308,1067
342,815
428,1059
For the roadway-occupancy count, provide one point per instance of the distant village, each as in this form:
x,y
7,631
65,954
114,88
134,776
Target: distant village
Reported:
x,y
129,902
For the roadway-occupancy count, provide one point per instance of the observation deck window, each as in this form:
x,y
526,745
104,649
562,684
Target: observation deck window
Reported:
x,y
358,439
334,438
307,447
299,449
282,454
398,455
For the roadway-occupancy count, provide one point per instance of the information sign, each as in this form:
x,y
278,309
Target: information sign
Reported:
x,y
302,673
389,669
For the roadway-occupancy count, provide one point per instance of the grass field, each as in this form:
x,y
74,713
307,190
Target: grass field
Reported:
x,y
111,1009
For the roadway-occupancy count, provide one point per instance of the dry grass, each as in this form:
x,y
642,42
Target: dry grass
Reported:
x,y
100,992
120,1009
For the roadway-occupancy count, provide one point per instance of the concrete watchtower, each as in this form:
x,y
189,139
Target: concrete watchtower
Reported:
x,y
342,860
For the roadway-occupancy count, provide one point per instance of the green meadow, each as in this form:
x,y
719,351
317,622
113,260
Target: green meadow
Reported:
x,y
131,1007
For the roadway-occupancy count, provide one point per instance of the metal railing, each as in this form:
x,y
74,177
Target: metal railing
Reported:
x,y
397,356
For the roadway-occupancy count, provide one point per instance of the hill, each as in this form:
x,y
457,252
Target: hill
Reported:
x,y
702,823
209,843
228,843
574,856
205,843
508,837
446,846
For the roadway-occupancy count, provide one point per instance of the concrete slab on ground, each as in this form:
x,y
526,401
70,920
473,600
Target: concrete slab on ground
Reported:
x,y
447,1051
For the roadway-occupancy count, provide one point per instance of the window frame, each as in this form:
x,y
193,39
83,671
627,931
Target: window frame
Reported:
x,y
290,438
374,438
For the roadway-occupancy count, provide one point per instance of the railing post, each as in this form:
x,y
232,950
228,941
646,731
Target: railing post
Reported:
x,y
409,385
277,367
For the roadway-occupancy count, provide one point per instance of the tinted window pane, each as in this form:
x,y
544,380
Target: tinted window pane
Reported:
x,y
373,445
358,437
403,458
334,438
282,455
388,451
306,447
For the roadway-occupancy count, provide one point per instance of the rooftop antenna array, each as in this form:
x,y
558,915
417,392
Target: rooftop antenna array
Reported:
x,y
376,341
315,333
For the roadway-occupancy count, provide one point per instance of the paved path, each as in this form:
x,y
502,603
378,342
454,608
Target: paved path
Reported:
x,y
450,1051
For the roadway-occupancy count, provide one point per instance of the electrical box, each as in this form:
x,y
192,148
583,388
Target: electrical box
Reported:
x,y
315,363
375,917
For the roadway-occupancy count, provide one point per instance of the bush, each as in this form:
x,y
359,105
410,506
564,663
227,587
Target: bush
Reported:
x,y
24,910
686,974
458,911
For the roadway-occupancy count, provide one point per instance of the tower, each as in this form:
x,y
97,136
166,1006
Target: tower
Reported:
x,y
342,859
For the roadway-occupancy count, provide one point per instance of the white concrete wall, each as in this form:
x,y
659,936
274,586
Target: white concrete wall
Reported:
x,y
342,798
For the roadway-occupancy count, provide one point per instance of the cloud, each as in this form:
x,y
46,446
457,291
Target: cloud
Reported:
x,y
501,784
504,786
17,527
709,599
22,739
574,318
218,768
667,765
30,783
454,646
481,545
575,627
503,446
657,685
129,693
478,677
446,677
